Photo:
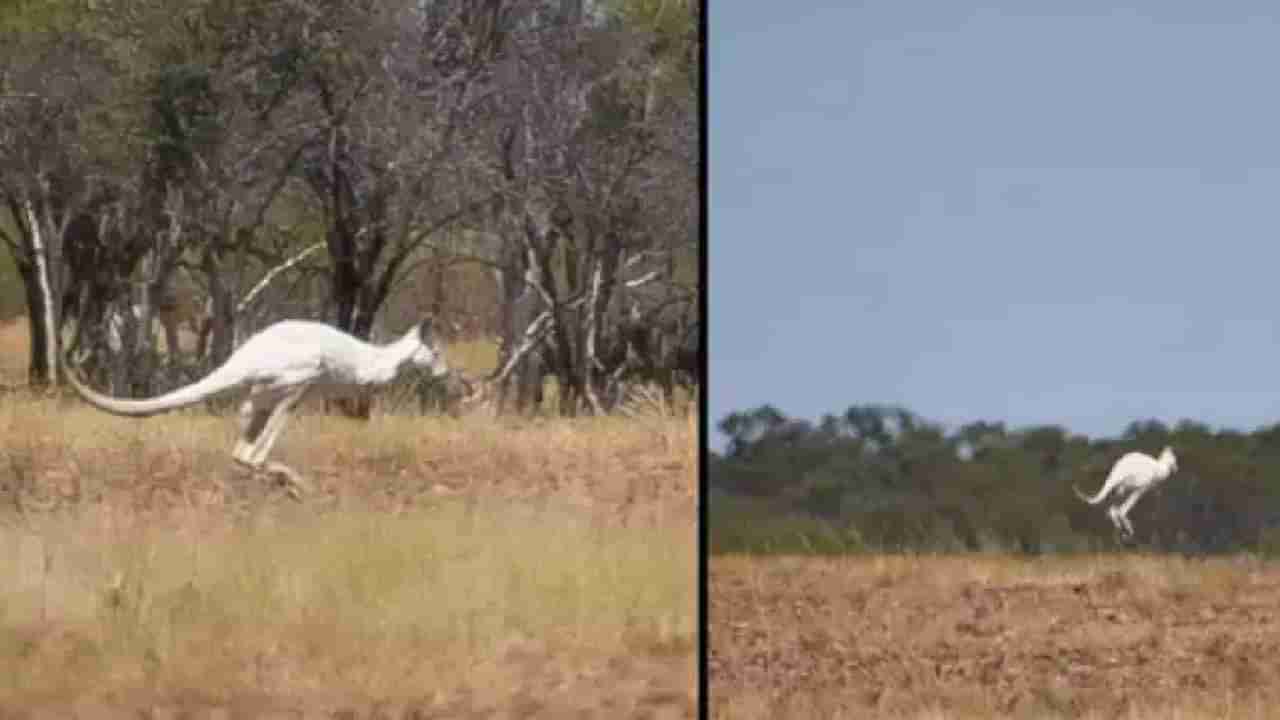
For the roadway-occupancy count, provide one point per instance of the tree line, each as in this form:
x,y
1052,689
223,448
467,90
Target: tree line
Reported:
x,y
881,478
521,169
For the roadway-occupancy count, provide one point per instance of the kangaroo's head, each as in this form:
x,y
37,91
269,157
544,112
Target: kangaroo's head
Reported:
x,y
1169,459
429,354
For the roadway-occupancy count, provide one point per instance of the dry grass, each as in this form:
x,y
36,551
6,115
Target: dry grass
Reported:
x,y
994,636
443,567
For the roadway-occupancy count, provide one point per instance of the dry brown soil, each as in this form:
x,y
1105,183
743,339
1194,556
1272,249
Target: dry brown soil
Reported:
x,y
989,636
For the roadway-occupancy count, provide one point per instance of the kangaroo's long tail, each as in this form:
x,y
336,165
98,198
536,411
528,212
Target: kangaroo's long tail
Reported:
x,y
1102,494
216,382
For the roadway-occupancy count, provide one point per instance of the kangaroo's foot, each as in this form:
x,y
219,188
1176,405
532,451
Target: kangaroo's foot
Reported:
x,y
295,484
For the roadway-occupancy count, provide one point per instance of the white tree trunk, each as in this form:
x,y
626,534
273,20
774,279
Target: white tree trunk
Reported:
x,y
40,249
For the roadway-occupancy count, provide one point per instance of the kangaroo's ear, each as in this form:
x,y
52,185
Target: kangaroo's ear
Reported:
x,y
424,330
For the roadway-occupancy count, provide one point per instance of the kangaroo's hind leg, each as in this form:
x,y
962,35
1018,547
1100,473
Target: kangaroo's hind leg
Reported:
x,y
1128,505
1113,512
255,412
280,417
263,417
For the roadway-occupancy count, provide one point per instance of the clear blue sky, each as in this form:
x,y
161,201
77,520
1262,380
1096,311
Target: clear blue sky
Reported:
x,y
1029,212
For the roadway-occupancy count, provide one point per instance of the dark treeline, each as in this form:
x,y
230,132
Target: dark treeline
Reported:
x,y
882,478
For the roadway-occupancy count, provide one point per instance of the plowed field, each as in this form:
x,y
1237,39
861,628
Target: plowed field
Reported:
x,y
988,636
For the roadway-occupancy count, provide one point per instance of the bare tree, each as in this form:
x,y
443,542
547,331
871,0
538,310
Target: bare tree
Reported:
x,y
226,131
53,88
576,157
393,84
549,142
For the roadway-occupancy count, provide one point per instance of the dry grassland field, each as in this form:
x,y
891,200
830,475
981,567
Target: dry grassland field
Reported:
x,y
978,636
444,567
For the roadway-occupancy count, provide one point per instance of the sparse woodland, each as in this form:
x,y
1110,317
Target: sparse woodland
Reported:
x,y
883,478
525,171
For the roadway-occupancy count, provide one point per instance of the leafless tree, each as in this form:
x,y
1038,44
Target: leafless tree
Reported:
x,y
53,90
577,154
545,141
392,84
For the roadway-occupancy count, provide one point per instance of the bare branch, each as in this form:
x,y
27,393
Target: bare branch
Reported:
x,y
271,275
643,279
533,335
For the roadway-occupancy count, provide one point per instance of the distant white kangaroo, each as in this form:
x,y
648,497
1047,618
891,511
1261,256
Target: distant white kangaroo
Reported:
x,y
278,365
1135,473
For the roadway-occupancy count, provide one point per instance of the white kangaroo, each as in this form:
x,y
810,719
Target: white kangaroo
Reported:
x,y
278,365
1135,473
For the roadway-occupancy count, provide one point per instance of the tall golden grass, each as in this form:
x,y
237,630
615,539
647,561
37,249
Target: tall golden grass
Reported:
x,y
449,563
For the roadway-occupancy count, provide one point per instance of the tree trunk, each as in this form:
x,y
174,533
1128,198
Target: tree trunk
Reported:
x,y
518,304
222,306
43,310
347,287
600,292
39,371
353,317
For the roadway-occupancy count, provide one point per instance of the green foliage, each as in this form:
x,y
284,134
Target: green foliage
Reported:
x,y
898,482
672,25
745,525
12,300
19,18
1269,543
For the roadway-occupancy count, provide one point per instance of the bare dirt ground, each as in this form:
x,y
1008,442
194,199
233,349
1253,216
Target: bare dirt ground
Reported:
x,y
986,636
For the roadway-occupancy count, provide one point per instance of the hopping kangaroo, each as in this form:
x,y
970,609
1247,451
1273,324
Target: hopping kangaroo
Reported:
x,y
278,365
1135,473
